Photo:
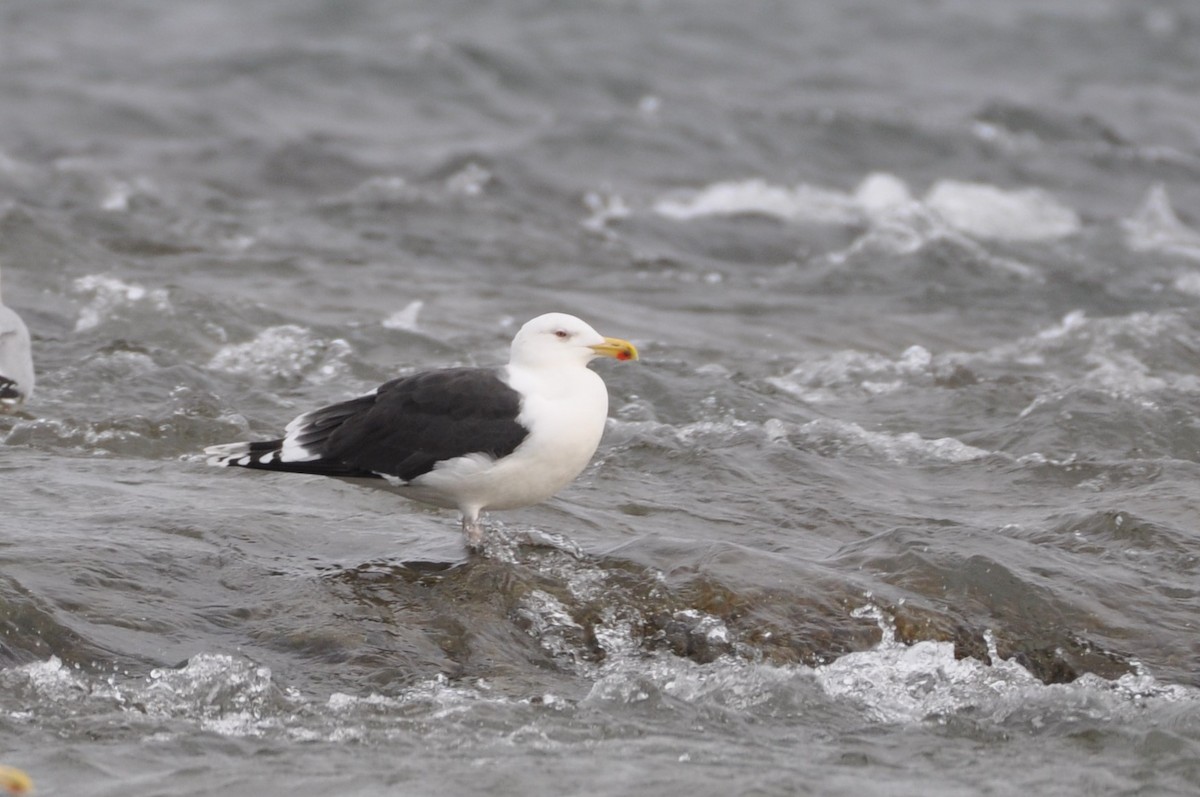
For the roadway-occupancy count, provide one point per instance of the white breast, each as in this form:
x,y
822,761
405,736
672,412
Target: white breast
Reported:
x,y
565,413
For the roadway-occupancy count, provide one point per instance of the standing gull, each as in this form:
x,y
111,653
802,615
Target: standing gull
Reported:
x,y
16,361
462,438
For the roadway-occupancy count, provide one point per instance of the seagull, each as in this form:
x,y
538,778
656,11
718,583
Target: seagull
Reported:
x,y
470,439
16,361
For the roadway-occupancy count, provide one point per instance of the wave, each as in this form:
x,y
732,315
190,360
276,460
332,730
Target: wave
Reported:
x,y
115,298
979,210
891,683
1132,357
288,352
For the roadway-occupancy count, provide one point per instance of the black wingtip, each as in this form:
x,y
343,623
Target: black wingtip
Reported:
x,y
9,390
267,455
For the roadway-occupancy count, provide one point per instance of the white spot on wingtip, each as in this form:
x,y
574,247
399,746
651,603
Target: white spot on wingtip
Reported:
x,y
291,452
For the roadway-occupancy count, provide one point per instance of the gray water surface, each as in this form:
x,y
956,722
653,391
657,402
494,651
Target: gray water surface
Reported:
x,y
900,500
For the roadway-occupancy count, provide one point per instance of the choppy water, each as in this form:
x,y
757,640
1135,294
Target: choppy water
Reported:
x,y
901,499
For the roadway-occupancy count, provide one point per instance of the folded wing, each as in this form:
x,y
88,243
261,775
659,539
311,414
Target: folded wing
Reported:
x,y
403,429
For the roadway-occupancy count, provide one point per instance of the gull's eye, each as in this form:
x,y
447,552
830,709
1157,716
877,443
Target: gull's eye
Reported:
x,y
562,334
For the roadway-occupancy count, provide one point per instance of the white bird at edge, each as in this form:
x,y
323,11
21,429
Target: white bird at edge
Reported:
x,y
16,361
470,439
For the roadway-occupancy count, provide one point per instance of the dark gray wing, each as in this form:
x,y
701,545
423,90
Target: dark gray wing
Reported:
x,y
403,429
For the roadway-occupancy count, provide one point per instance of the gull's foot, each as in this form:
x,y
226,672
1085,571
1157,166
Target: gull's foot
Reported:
x,y
473,531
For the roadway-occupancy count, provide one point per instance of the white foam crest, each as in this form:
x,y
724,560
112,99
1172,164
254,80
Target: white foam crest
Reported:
x,y
118,193
547,619
830,377
712,431
1117,355
905,448
885,203
233,696
1093,338
437,695
285,352
1188,283
1126,357
986,211
803,203
1014,142
880,194
105,436
123,363
1155,227
898,683
110,296
226,695
406,317
732,680
50,679
383,188
712,628
721,431
728,683
905,228
435,706
470,180
606,207
894,682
